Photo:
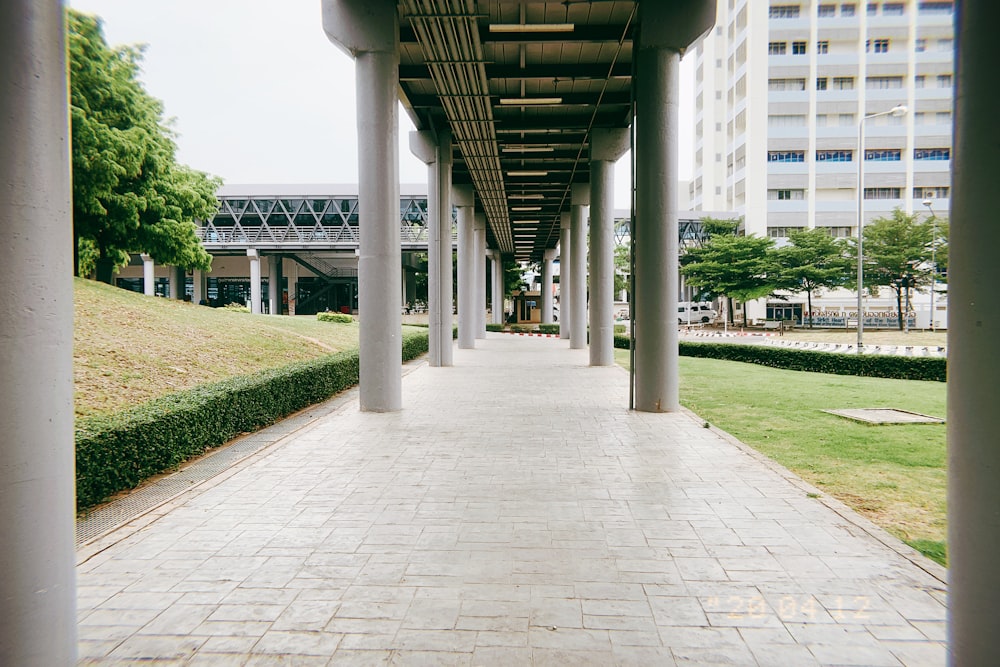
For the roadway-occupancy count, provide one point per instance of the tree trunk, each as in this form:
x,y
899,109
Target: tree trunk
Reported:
x,y
899,308
105,270
809,304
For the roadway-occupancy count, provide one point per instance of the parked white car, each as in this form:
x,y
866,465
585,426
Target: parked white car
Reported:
x,y
695,313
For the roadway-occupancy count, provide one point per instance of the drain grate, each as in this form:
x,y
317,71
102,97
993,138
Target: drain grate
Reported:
x,y
886,416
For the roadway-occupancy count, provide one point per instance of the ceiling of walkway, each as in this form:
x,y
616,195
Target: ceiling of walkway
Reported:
x,y
521,86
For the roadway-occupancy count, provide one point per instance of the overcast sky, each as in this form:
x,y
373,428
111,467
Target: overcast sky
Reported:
x,y
258,93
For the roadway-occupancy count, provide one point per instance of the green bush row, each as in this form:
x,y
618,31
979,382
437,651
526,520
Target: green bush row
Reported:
x,y
343,318
494,327
548,328
867,365
117,452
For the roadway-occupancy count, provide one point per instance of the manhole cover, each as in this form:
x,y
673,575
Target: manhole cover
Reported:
x,y
886,416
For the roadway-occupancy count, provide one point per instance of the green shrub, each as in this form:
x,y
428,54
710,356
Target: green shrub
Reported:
x,y
619,328
342,318
548,328
494,327
523,328
119,451
866,365
236,307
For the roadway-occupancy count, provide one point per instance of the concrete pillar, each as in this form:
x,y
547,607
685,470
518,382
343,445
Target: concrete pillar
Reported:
x,y
565,274
496,274
468,318
200,287
369,30
274,280
436,154
973,363
550,256
37,503
479,227
175,285
255,292
578,260
606,147
667,28
148,275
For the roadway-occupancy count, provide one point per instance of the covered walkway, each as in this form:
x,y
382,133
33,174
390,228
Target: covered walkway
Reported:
x,y
513,513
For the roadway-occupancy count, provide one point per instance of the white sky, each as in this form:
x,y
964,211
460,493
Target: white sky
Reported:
x,y
258,93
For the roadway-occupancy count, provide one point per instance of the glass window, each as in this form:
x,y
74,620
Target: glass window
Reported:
x,y
786,195
786,156
835,156
790,120
944,81
945,45
883,155
798,48
846,119
783,12
935,7
821,83
776,48
843,83
839,232
782,232
931,153
872,8
883,82
920,45
786,84
892,9
823,46
882,193
942,117
847,10
826,11
919,81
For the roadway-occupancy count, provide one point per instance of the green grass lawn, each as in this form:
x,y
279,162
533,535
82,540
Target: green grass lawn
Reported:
x,y
893,474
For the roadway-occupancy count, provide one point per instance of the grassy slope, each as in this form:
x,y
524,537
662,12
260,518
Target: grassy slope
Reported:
x,y
129,348
894,475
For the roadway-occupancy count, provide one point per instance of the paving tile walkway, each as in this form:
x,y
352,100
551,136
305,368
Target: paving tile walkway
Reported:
x,y
514,513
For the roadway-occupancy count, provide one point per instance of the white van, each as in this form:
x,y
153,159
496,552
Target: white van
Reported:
x,y
697,312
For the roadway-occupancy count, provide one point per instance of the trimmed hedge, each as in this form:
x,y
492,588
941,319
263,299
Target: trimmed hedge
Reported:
x,y
866,365
494,327
119,451
342,318
523,328
548,328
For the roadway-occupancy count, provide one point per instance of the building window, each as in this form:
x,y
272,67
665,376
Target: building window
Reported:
x,y
782,232
835,156
786,195
881,193
883,155
798,48
872,8
821,83
944,81
776,48
892,9
879,45
931,153
843,83
847,10
786,156
920,45
846,119
919,81
826,11
783,12
936,7
839,232
883,82
934,192
786,84
945,45
942,118
823,46
789,120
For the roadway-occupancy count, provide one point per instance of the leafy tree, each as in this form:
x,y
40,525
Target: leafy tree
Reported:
x,y
712,227
812,261
897,255
623,267
129,193
737,267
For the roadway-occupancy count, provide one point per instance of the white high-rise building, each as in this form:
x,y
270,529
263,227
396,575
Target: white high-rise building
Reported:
x,y
782,88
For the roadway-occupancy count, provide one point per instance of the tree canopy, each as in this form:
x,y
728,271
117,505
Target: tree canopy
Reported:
x,y
813,260
129,193
739,267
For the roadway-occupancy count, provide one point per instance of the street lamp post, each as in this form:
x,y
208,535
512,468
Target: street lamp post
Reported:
x,y
898,110
928,203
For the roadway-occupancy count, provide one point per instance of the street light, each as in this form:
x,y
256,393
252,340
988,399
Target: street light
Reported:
x,y
898,110
928,203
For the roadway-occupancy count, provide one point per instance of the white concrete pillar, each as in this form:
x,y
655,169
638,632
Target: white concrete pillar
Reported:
x,y
667,29
578,260
565,274
606,147
496,275
547,261
468,318
274,280
423,147
255,292
446,248
973,362
37,502
479,227
148,275
369,30
200,287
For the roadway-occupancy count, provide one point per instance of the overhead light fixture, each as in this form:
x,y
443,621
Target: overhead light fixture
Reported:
x,y
525,208
526,196
525,222
532,27
528,149
527,172
530,101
